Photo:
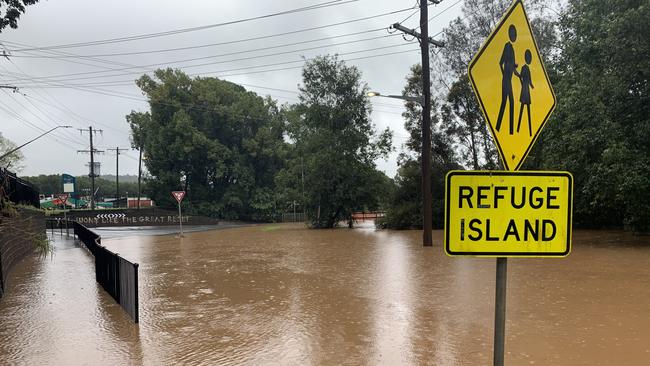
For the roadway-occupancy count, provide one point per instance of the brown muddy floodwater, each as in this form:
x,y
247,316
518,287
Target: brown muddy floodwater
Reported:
x,y
286,295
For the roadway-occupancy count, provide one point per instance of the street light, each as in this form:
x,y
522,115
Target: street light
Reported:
x,y
425,162
32,140
408,98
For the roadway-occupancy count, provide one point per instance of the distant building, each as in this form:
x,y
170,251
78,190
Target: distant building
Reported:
x,y
132,202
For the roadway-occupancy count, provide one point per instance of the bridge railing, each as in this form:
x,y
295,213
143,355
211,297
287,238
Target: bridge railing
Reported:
x,y
363,215
117,275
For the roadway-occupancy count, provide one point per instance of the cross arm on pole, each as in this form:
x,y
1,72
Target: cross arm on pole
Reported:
x,y
417,35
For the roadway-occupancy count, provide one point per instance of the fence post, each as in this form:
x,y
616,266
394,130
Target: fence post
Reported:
x,y
137,291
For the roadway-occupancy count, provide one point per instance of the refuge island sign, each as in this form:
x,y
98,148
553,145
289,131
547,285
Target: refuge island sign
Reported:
x,y
498,213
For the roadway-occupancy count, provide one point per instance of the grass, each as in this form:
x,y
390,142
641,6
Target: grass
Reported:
x,y
270,227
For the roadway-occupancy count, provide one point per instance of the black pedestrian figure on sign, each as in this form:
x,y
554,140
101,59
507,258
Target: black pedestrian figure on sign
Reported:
x,y
508,68
524,98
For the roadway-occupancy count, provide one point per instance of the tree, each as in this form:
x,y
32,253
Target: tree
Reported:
x,y
334,144
212,138
601,126
465,122
10,11
405,209
12,161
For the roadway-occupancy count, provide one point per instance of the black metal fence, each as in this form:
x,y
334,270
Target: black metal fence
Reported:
x,y
294,217
18,190
118,276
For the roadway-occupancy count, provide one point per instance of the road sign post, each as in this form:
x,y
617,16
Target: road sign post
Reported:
x,y
64,198
507,214
178,195
508,54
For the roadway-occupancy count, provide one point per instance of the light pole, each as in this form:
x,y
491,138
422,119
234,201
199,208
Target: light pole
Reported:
x,y
425,160
408,98
30,141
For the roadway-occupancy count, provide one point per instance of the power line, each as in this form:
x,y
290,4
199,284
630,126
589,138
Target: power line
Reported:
x,y
185,30
148,66
69,135
31,125
130,81
59,53
198,46
232,53
132,97
71,112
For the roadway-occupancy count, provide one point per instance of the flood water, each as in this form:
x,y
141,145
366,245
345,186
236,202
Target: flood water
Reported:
x,y
283,294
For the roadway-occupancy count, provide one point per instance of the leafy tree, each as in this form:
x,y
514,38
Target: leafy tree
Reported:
x,y
334,145
405,210
601,127
12,161
465,122
10,11
212,138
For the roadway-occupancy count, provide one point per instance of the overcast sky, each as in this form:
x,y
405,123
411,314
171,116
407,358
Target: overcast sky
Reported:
x,y
100,96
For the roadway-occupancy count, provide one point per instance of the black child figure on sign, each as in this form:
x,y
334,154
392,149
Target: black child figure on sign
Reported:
x,y
508,68
524,98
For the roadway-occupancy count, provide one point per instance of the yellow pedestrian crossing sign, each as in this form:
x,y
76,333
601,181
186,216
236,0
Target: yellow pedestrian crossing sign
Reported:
x,y
512,86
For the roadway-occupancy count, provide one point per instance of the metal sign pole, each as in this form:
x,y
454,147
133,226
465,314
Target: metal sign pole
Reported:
x,y
180,218
500,310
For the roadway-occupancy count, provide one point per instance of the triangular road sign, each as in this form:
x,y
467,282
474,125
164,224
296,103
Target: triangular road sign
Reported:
x,y
512,86
178,195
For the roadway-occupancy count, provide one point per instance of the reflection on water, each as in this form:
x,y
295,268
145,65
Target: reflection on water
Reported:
x,y
282,294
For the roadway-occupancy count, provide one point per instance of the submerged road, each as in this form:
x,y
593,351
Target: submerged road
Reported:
x,y
283,294
130,231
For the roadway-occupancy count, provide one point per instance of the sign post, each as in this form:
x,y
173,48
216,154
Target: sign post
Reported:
x,y
508,70
64,198
507,214
178,195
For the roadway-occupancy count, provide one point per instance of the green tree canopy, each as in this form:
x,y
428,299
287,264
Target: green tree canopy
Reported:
x,y
405,209
10,11
601,127
12,161
335,144
212,138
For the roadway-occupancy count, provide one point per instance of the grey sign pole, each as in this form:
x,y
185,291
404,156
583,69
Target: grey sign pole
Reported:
x,y
500,311
180,218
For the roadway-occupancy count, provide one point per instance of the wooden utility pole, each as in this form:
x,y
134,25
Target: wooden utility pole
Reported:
x,y
425,41
117,174
92,152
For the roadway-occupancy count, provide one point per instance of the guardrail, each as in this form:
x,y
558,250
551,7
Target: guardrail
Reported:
x,y
118,276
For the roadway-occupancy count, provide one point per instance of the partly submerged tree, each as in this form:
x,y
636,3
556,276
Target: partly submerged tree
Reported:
x,y
600,130
335,144
212,138
405,209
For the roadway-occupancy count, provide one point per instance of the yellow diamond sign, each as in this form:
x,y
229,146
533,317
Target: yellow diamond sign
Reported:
x,y
512,86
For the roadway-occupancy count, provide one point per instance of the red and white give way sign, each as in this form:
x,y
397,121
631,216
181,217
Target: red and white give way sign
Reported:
x,y
178,195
